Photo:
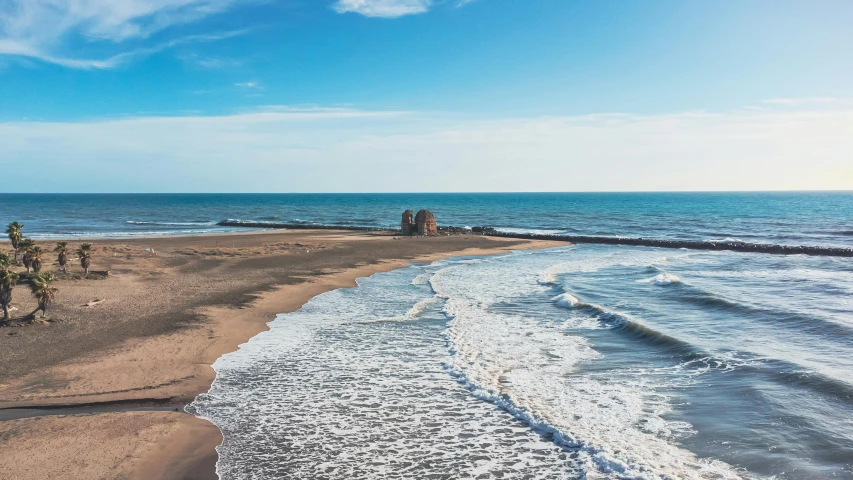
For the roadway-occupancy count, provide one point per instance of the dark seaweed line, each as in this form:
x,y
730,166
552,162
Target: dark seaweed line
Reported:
x,y
301,226
132,402
639,242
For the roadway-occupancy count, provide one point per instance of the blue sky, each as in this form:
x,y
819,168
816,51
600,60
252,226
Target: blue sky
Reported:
x,y
330,95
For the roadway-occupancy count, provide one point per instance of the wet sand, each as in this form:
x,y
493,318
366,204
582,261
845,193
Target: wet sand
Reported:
x,y
171,306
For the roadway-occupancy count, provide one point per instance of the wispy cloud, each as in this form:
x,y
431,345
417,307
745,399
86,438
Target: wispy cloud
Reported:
x,y
10,48
383,8
824,101
211,62
310,148
39,29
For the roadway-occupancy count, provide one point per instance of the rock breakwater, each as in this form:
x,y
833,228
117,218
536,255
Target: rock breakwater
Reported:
x,y
768,248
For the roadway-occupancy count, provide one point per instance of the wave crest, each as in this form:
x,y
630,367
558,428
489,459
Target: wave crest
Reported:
x,y
662,279
566,300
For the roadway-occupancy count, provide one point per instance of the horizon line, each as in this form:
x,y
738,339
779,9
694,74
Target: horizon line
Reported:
x,y
520,192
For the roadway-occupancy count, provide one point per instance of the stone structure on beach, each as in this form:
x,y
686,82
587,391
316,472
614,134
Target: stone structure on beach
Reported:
x,y
425,221
407,226
423,224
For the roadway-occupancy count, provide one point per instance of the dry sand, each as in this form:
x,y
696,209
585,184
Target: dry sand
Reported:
x,y
166,315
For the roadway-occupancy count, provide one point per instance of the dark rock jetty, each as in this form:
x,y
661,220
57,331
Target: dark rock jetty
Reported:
x,y
640,242
688,244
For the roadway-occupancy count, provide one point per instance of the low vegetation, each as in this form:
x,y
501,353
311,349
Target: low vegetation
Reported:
x,y
85,253
35,253
44,292
41,283
26,246
62,255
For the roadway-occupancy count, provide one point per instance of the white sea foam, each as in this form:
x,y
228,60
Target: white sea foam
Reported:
x,y
725,240
422,279
152,233
662,279
347,378
566,300
328,394
529,231
592,262
617,422
420,307
173,224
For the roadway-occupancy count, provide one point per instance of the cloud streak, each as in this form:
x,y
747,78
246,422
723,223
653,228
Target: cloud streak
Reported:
x,y
46,30
38,29
323,149
383,8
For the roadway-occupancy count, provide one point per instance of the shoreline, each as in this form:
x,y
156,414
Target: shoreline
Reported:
x,y
188,460
173,445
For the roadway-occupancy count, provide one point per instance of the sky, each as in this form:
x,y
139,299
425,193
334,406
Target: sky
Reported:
x,y
425,95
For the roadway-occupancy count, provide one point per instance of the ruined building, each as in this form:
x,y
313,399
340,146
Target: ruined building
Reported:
x,y
424,224
407,226
425,221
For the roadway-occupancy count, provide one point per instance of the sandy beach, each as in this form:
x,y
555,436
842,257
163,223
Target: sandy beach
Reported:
x,y
97,390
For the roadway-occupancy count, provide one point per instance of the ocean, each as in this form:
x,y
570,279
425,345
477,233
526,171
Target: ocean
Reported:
x,y
583,361
816,218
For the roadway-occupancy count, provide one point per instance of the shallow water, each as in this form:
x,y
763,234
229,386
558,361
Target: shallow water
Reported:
x,y
575,362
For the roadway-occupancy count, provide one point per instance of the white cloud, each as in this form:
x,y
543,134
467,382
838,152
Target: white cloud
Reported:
x,y
39,28
810,101
247,85
383,8
210,62
334,149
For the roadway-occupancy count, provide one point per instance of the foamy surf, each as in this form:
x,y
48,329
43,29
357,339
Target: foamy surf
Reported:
x,y
566,300
524,366
662,279
465,369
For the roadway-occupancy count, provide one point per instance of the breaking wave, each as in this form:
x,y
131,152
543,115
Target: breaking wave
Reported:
x,y
566,300
173,224
662,279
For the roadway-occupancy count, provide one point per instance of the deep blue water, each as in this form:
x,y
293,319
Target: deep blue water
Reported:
x,y
786,218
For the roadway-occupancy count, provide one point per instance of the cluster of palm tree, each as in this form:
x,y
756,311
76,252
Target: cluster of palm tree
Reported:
x,y
32,253
40,287
31,257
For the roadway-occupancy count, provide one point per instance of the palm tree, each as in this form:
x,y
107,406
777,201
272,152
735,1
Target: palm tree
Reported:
x,y
15,236
85,252
36,259
62,258
27,246
44,293
8,280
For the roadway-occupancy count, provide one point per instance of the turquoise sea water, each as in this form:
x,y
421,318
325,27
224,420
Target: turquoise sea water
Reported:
x,y
788,218
585,361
